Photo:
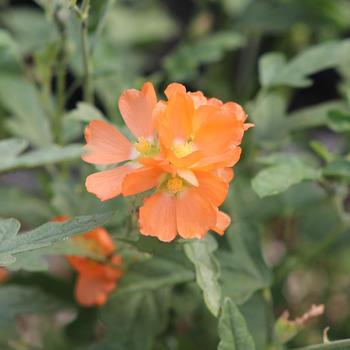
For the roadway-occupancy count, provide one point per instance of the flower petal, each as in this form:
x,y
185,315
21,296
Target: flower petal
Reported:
x,y
105,144
140,180
91,290
174,88
158,217
188,175
107,184
194,214
212,188
222,222
136,108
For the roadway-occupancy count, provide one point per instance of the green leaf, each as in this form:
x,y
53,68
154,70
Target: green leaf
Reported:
x,y
28,119
339,121
243,269
268,112
314,116
269,65
23,205
154,274
200,252
12,244
10,148
124,23
35,260
334,345
233,330
184,62
18,300
85,112
288,170
338,168
9,53
295,73
49,155
133,321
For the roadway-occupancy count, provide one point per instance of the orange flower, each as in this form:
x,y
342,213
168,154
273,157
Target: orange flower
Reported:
x,y
188,158
3,275
96,278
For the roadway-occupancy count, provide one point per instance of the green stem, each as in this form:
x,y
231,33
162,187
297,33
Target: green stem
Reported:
x,y
61,79
88,89
341,344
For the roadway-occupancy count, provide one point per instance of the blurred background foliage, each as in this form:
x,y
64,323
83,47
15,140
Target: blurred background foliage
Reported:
x,y
287,62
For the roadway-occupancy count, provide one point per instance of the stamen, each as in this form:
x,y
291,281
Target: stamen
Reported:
x,y
175,185
183,150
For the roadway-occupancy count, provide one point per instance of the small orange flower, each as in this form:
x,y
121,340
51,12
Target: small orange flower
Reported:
x,y
3,275
96,278
186,152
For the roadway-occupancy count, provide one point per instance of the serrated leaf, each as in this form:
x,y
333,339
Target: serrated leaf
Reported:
x,y
35,260
49,155
12,244
200,252
233,330
295,73
29,121
288,171
184,62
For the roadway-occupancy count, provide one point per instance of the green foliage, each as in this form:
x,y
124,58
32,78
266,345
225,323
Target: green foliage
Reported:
x,y
12,244
287,63
284,171
233,330
200,252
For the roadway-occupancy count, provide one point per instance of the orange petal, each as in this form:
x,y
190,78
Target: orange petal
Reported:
x,y
227,159
102,238
194,214
248,126
136,108
188,175
158,217
107,184
140,180
212,188
236,110
91,291
105,144
3,274
218,133
174,88
225,174
222,222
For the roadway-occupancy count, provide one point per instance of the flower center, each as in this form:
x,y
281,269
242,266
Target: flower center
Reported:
x,y
175,185
183,150
90,245
142,145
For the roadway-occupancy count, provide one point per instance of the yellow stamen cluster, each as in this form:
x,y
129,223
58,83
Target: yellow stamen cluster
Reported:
x,y
143,146
183,150
175,185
